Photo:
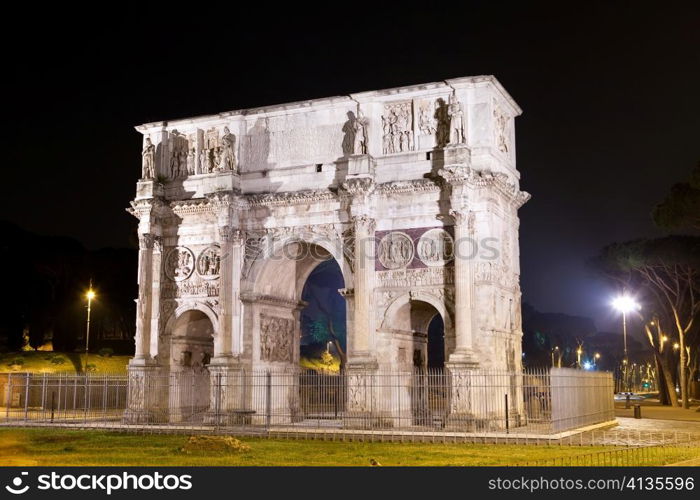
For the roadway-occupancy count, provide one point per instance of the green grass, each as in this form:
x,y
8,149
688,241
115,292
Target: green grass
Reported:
x,y
41,362
54,447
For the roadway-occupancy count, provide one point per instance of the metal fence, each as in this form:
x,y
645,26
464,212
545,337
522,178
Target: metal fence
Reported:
x,y
543,401
632,456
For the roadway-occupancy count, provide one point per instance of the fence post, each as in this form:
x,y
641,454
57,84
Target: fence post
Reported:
x,y
43,396
53,403
192,391
507,423
86,399
9,395
218,399
75,394
104,397
26,396
268,399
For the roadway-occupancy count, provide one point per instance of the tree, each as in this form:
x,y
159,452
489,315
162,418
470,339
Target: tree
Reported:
x,y
681,207
323,319
668,270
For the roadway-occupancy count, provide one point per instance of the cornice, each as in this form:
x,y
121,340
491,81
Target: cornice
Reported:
x,y
192,206
271,300
140,208
290,198
413,186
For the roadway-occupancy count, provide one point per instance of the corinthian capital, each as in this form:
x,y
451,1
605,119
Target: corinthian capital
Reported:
x,y
364,223
229,234
463,217
359,186
147,241
455,174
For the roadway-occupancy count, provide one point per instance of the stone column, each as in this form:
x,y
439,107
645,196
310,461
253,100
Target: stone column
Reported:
x,y
230,384
229,339
364,286
462,363
147,390
361,410
144,302
156,275
466,248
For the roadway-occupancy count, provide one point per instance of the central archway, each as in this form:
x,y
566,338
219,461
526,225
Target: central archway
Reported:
x,y
275,305
323,343
273,319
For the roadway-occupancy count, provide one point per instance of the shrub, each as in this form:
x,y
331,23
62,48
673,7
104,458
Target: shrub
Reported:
x,y
106,352
91,367
214,444
16,362
58,360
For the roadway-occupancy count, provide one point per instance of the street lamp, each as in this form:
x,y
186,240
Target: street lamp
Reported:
x,y
596,357
625,304
556,348
89,295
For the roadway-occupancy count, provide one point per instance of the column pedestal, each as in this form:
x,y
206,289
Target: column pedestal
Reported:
x,y
463,396
147,393
362,409
231,392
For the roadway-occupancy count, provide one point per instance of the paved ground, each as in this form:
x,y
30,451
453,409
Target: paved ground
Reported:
x,y
653,410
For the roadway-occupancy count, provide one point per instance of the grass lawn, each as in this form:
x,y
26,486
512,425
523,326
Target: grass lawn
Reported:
x,y
42,362
54,447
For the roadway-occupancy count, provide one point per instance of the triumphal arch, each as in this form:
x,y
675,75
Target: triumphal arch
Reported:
x,y
413,191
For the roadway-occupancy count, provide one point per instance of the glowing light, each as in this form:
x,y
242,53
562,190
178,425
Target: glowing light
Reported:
x,y
625,304
597,355
676,345
90,294
587,365
664,338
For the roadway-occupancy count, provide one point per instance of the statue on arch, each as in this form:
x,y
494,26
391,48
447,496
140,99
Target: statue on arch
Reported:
x,y
227,160
148,164
456,114
360,135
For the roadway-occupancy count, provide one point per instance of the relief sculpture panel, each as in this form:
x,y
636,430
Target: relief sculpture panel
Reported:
x,y
276,338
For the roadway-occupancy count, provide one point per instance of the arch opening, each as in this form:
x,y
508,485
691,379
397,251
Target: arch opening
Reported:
x,y
192,341
323,343
427,328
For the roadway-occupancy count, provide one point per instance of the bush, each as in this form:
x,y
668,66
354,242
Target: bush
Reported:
x,y
16,362
58,360
214,444
91,367
106,352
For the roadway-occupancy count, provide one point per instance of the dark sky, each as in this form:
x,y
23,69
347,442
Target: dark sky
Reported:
x,y
610,96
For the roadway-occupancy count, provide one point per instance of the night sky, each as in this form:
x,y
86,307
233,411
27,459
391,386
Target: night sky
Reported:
x,y
611,100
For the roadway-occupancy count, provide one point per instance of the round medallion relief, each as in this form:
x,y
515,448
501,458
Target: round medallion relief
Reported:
x,y
435,247
395,250
179,263
209,262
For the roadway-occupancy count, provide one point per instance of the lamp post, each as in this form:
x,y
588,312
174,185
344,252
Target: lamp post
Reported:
x,y
90,295
596,357
556,348
624,303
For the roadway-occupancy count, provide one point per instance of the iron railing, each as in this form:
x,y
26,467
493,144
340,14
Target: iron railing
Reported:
x,y
535,401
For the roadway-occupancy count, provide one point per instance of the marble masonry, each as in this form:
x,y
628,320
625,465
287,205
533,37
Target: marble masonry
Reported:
x,y
413,191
